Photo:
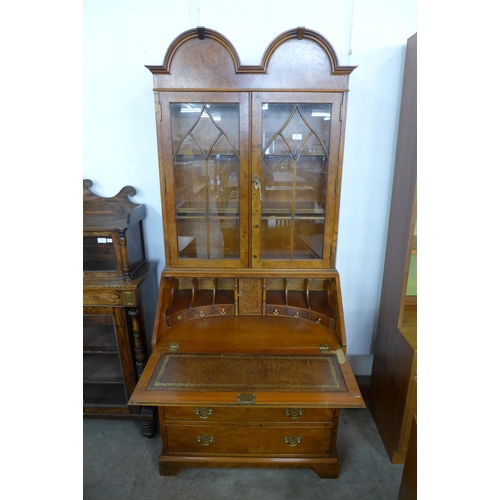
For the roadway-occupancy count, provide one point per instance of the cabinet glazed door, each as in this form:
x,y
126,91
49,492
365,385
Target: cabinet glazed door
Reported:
x,y
204,174
296,165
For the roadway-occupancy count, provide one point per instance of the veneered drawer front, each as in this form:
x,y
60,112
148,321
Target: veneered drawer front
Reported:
x,y
179,316
224,310
107,298
273,310
248,414
249,439
201,312
321,319
297,312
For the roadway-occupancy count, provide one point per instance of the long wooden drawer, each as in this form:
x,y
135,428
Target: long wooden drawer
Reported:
x,y
248,414
250,439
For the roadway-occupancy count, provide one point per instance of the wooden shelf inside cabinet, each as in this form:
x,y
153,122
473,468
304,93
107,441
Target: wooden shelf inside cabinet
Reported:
x,y
249,338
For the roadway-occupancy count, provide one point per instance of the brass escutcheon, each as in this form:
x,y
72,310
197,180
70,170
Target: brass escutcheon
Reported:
x,y
205,439
292,440
294,412
203,412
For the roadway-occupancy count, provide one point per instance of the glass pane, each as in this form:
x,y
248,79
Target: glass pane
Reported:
x,y
98,254
308,238
208,238
205,143
276,242
294,179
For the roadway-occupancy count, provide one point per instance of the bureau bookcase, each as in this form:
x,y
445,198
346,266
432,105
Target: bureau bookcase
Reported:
x,y
248,364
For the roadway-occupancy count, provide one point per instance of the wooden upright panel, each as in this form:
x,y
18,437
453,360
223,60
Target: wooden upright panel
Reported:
x,y
394,365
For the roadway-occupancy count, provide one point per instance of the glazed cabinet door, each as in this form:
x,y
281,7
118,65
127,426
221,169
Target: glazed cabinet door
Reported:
x,y
204,162
296,169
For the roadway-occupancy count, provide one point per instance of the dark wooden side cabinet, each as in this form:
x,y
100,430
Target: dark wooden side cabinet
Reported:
x,y
248,365
393,393
119,298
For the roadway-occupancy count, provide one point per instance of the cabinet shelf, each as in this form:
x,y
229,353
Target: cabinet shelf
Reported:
x,y
102,369
99,338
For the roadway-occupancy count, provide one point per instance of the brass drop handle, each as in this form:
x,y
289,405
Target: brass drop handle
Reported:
x,y
202,314
240,294
292,440
318,321
179,317
204,412
294,412
276,312
205,439
297,314
223,311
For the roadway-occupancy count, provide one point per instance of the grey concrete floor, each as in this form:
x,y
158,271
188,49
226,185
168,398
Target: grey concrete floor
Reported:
x,y
119,463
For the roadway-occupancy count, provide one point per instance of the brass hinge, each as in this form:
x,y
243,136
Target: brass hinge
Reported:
x,y
159,111
174,346
323,348
341,114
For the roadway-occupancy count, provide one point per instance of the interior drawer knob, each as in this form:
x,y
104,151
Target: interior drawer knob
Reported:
x,y
204,412
294,412
292,440
205,439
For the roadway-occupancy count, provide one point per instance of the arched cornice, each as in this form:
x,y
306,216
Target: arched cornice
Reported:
x,y
300,33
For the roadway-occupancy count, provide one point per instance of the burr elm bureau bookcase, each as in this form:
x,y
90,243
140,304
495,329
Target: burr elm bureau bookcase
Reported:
x,y
119,296
248,365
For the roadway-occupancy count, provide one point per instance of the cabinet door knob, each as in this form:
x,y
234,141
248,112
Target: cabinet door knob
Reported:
x,y
292,440
203,412
205,439
294,412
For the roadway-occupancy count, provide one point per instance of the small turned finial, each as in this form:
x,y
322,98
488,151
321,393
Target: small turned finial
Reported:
x,y
201,32
300,32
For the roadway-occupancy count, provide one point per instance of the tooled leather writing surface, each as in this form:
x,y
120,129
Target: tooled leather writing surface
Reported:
x,y
247,373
